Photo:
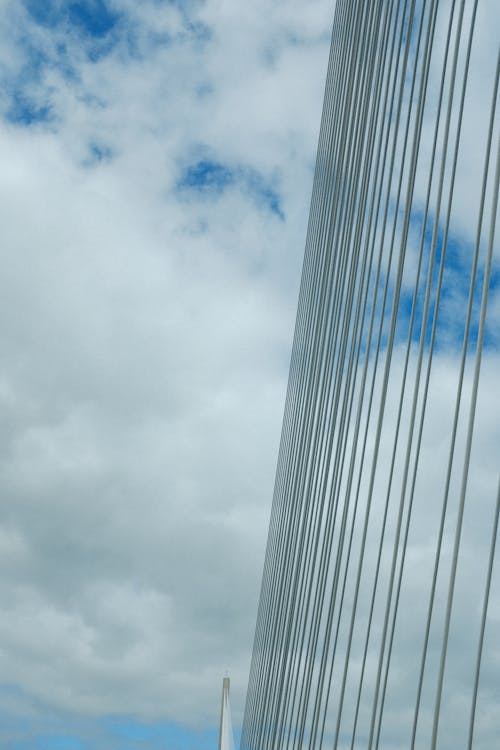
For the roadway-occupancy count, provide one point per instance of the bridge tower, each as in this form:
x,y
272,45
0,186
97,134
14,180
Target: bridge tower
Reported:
x,y
226,729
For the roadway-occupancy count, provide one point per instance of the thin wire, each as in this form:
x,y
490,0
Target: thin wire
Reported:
x,y
411,181
296,681
333,417
421,350
319,473
324,454
459,392
362,391
280,576
384,387
470,428
301,473
341,278
483,621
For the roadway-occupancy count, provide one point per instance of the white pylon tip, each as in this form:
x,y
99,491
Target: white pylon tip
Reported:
x,y
226,741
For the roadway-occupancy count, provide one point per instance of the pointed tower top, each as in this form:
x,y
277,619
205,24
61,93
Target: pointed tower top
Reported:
x,y
226,729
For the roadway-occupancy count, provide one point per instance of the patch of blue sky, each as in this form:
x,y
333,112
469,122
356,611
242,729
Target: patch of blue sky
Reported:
x,y
98,152
161,736
64,62
34,59
94,23
24,111
26,723
410,302
93,28
453,296
492,327
209,178
44,13
114,734
22,89
364,323
94,18
142,42
264,193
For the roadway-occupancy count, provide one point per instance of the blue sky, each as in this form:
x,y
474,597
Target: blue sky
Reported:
x,y
112,733
95,18
57,730
210,179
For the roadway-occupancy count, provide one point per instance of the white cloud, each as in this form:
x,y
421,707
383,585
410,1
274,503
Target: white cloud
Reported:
x,y
145,350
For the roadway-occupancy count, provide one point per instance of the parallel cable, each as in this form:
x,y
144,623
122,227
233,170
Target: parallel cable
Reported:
x,y
484,614
338,546
472,414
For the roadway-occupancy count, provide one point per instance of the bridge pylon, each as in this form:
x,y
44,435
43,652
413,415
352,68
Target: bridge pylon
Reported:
x,y
226,741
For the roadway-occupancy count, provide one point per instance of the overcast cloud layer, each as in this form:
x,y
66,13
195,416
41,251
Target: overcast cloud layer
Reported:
x,y
157,162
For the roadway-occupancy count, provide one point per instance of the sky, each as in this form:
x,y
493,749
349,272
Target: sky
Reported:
x,y
157,163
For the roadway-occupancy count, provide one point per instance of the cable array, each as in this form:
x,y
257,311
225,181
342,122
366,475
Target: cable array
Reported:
x,y
374,623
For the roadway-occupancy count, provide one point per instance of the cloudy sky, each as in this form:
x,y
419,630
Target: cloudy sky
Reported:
x,y
157,163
